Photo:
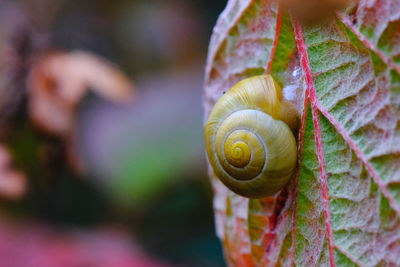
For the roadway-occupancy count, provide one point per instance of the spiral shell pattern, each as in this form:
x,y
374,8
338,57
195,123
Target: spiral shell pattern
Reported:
x,y
249,138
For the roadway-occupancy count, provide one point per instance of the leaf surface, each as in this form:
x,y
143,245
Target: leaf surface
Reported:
x,y
342,208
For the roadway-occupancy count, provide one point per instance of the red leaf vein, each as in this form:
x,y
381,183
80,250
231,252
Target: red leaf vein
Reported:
x,y
348,255
301,45
276,38
360,155
297,177
367,43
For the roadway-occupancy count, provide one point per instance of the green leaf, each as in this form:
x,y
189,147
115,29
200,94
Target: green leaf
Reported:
x,y
342,208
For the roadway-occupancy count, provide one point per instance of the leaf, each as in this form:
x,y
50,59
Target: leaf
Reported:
x,y
59,81
342,208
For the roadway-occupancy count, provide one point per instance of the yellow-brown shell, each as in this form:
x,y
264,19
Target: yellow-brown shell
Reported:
x,y
249,138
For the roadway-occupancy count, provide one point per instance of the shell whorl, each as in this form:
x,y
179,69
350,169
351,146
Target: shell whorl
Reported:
x,y
249,138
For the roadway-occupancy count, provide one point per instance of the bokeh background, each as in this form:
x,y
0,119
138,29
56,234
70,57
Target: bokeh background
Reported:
x,y
102,159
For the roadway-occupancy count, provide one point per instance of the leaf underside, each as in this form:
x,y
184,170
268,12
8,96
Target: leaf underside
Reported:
x,y
342,208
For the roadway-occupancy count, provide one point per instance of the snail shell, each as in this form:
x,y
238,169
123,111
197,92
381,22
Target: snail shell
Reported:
x,y
249,138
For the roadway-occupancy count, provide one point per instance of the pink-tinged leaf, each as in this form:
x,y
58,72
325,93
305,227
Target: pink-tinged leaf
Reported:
x,y
377,21
342,207
353,95
240,46
318,138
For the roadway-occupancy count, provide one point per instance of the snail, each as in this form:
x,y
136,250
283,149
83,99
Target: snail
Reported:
x,y
250,139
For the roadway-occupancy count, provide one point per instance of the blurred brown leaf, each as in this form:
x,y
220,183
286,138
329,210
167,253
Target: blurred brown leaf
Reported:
x,y
58,81
312,11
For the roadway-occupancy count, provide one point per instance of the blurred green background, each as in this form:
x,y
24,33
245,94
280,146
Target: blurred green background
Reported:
x,y
141,164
